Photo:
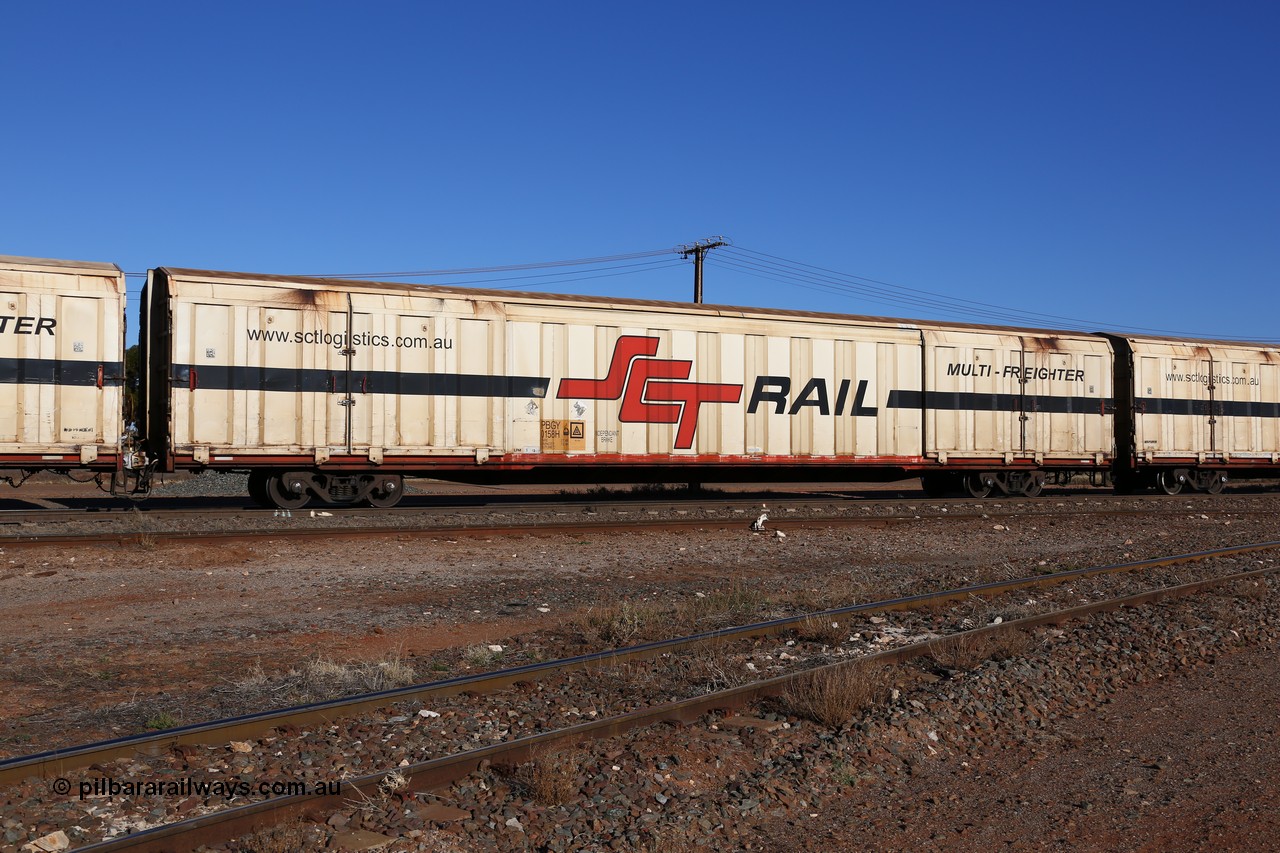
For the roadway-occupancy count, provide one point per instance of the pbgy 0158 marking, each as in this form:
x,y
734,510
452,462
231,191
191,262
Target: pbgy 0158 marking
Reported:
x,y
15,325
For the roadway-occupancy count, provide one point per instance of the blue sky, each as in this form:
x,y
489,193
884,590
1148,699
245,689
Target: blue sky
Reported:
x,y
1107,163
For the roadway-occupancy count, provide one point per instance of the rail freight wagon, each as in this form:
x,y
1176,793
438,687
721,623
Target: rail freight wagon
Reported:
x,y
336,390
1192,413
1005,408
61,366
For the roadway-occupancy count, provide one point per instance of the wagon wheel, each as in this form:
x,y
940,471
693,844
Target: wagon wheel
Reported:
x,y
1169,482
1034,485
389,495
979,485
258,488
282,496
1216,483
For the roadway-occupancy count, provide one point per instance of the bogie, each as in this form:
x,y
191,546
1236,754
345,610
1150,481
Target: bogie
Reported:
x,y
295,489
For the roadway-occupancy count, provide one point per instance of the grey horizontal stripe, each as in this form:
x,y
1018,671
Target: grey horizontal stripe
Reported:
x,y
967,401
224,378
59,371
1203,408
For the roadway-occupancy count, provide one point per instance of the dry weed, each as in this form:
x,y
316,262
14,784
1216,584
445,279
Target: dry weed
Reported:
x,y
961,652
967,651
554,776
551,776
324,675
741,602
643,677
838,591
480,656
617,625
322,678
710,665
393,783
255,679
825,630
1010,644
705,668
835,696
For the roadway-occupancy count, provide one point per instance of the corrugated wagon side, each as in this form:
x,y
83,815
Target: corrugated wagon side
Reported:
x,y
659,390
324,388
337,389
1006,408
61,365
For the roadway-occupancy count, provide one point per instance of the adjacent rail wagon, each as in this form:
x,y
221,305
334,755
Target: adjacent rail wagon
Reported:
x,y
61,366
1195,412
335,391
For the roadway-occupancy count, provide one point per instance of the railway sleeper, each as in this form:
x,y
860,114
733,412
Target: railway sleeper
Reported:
x,y
295,489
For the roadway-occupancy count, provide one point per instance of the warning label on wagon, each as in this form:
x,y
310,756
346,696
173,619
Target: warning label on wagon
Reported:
x,y
562,436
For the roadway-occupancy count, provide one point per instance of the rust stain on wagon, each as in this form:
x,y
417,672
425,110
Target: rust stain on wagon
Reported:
x,y
489,308
315,305
306,299
1041,344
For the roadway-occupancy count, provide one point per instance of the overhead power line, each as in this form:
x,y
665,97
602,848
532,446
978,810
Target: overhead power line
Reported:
x,y
811,277
762,265
605,266
603,259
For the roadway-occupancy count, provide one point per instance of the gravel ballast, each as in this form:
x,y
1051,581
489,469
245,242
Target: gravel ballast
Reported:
x,y
108,641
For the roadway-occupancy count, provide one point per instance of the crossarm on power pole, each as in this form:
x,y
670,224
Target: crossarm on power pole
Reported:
x,y
699,251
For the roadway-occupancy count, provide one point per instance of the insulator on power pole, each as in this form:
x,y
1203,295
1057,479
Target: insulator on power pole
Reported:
x,y
699,251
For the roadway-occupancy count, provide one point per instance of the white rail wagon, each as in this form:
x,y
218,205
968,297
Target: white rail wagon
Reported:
x,y
1005,407
1196,412
337,389
61,364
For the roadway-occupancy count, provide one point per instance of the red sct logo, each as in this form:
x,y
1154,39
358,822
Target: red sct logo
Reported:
x,y
649,392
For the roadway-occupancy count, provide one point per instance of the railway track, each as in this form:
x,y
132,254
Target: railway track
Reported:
x,y
124,527
428,774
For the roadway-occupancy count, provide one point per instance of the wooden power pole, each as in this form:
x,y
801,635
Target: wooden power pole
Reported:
x,y
699,251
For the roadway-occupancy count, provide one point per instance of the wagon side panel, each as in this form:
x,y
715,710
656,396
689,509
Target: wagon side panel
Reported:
x,y
61,363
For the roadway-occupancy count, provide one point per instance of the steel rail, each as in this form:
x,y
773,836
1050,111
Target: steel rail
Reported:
x,y
601,521
550,527
61,761
487,504
229,823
